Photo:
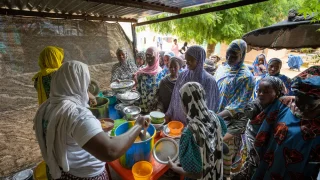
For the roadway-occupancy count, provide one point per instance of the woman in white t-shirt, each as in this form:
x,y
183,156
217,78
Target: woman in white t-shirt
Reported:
x,y
71,139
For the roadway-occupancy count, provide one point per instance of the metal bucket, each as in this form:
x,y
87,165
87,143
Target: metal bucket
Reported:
x,y
102,109
139,151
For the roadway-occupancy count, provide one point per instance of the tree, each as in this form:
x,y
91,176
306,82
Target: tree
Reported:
x,y
226,25
311,7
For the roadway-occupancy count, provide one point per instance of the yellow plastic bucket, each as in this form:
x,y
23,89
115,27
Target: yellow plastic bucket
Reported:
x,y
39,172
142,170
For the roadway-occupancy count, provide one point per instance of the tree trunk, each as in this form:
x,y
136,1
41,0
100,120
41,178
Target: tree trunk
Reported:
x,y
210,49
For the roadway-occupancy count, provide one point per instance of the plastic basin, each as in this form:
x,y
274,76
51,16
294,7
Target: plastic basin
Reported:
x,y
142,170
102,109
139,151
175,127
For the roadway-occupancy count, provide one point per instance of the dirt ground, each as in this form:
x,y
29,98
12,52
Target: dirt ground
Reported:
x,y
18,99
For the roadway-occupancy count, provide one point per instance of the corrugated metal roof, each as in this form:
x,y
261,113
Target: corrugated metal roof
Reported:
x,y
117,9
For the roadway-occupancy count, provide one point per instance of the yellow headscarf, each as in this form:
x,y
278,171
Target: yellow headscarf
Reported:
x,y
50,60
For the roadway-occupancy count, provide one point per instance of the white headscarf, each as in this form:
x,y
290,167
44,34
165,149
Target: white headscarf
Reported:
x,y
63,110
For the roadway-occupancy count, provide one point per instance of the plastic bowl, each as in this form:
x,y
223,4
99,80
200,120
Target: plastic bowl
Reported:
x,y
175,127
158,126
157,117
142,170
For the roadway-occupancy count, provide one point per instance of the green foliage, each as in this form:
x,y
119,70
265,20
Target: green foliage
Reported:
x,y
226,25
306,50
311,7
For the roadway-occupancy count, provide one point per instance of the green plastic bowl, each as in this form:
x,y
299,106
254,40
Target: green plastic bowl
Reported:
x,y
157,117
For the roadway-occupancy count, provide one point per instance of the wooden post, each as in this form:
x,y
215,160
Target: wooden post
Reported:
x,y
134,40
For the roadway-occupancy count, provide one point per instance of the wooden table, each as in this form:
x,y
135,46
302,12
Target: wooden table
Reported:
x,y
126,174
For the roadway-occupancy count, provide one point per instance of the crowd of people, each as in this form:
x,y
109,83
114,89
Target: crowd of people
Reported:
x,y
238,124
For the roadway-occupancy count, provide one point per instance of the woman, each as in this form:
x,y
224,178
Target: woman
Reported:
x,y
270,89
274,67
288,144
141,60
294,62
125,68
148,80
200,148
166,59
161,61
71,139
210,64
50,60
167,85
235,82
184,48
260,65
195,56
175,47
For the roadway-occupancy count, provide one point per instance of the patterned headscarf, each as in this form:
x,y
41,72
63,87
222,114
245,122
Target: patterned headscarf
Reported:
x,y
204,125
277,85
311,71
238,45
142,55
308,87
155,68
122,49
255,64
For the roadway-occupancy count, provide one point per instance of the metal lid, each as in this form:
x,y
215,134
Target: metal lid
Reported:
x,y
23,175
164,148
122,84
133,110
128,96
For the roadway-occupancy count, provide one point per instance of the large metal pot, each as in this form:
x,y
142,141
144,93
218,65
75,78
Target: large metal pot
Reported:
x,y
129,97
101,110
119,107
132,112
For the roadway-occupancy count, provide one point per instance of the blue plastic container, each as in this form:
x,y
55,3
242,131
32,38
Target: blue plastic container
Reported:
x,y
139,151
112,99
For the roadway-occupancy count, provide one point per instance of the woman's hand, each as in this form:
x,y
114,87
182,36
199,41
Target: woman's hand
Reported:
x,y
287,100
92,100
171,164
143,121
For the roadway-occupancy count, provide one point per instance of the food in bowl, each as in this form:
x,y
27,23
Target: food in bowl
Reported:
x,y
138,139
128,96
157,117
107,124
175,127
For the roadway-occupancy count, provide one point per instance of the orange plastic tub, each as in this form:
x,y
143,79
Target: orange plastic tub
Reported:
x,y
142,170
175,127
